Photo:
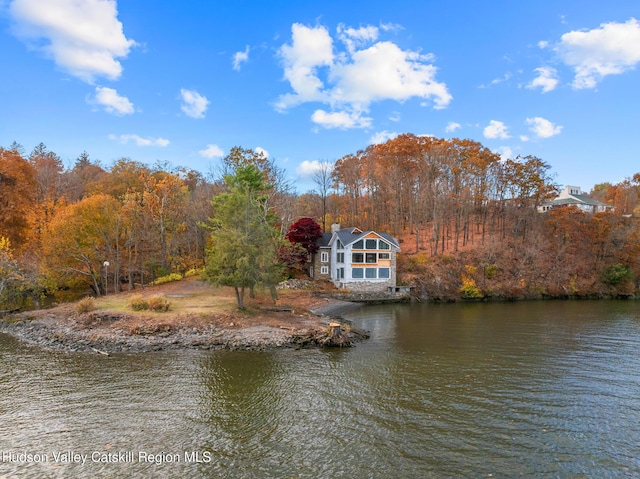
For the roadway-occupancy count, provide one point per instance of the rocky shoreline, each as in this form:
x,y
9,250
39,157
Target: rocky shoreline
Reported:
x,y
102,335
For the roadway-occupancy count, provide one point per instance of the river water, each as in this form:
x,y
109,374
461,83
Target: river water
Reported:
x,y
530,389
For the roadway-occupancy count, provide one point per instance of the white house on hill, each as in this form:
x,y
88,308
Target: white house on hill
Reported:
x,y
357,260
573,196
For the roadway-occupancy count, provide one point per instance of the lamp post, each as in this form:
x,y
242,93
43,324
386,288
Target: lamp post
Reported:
x,y
106,277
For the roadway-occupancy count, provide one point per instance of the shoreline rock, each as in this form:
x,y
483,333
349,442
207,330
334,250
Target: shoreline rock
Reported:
x,y
101,337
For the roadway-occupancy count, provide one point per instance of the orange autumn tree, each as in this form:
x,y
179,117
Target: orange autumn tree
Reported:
x,y
80,238
49,187
165,205
17,184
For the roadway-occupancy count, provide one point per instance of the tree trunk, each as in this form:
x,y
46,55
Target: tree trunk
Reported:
x,y
274,293
240,296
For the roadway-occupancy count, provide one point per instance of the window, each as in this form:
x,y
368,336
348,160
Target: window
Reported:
x,y
340,273
358,245
324,270
339,245
340,258
371,258
324,257
372,244
384,245
357,257
357,273
370,273
383,273
383,256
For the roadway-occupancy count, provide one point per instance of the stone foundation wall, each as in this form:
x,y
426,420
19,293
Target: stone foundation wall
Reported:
x,y
367,286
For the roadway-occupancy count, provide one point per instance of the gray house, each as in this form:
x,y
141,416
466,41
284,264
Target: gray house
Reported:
x,y
357,260
573,196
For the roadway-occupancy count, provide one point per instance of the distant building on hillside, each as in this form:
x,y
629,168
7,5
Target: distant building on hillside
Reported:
x,y
573,196
357,260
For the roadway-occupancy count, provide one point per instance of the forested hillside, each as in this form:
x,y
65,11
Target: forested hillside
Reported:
x,y
467,221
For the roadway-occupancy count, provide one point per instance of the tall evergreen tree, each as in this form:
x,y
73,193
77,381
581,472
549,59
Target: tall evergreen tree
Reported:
x,y
244,241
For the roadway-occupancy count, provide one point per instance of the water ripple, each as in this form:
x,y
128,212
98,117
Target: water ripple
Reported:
x,y
510,390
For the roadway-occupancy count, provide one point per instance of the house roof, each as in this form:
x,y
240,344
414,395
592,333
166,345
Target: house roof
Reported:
x,y
351,235
578,199
589,201
323,241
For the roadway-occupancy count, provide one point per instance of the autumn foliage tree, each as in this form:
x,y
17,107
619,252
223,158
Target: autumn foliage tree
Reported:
x,y
80,238
466,217
447,193
303,238
17,187
305,232
10,277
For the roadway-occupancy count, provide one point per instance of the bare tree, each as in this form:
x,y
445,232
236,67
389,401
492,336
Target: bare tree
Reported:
x,y
323,180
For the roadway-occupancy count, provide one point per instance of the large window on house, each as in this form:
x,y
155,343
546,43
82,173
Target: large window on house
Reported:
x,y
357,273
340,258
372,244
339,245
324,257
383,256
370,273
384,245
357,257
358,245
383,273
371,257
340,273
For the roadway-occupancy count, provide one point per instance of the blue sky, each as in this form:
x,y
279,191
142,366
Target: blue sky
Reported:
x,y
311,81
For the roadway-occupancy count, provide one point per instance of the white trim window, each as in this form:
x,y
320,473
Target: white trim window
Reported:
x,y
324,257
324,270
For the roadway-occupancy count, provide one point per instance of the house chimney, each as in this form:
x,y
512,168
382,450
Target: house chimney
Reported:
x,y
335,227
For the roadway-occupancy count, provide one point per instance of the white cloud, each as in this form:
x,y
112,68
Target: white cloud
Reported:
x,y
211,151
507,76
543,128
382,137
505,153
524,138
452,126
340,119
112,102
85,38
546,79
611,49
496,130
310,48
194,104
391,27
138,140
395,116
308,168
356,77
385,72
239,58
259,150
355,37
